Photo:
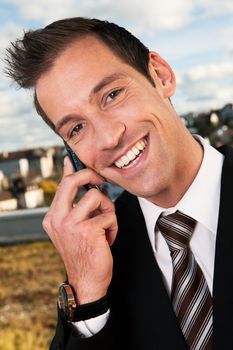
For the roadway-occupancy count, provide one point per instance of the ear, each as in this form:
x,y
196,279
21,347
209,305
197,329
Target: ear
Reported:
x,y
162,74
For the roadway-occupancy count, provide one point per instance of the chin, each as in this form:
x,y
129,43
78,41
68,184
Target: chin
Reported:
x,y
142,192
149,188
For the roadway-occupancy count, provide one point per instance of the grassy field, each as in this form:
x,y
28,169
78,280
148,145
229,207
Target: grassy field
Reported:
x,y
30,275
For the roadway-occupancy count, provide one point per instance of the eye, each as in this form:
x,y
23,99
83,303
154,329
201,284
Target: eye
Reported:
x,y
76,130
113,94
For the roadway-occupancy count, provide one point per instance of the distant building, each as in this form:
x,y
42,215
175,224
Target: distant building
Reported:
x,y
7,201
4,181
21,173
28,178
37,161
215,125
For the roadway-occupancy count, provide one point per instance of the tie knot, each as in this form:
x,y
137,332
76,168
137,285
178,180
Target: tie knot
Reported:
x,y
177,229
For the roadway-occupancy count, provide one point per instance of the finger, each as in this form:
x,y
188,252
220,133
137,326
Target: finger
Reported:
x,y
109,224
99,226
68,166
69,187
92,201
68,169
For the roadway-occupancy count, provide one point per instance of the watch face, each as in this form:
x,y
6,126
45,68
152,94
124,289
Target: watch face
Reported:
x,y
62,299
66,301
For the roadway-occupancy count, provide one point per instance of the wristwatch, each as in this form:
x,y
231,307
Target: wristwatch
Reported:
x,y
73,312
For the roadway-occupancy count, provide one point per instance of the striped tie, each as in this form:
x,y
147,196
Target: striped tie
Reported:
x,y
190,295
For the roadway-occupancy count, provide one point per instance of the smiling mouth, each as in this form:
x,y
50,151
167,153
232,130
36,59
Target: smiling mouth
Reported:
x,y
132,155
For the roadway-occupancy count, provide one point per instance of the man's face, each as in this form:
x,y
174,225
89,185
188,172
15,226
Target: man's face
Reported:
x,y
113,118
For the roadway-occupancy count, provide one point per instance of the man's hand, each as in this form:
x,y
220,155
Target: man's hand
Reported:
x,y
83,233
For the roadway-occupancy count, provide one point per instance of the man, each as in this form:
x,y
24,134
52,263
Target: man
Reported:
x,y
108,97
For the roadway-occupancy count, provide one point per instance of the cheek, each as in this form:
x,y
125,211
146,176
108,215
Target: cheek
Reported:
x,y
84,153
134,108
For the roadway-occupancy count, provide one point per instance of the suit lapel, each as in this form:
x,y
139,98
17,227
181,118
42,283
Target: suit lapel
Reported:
x,y
147,304
149,310
223,275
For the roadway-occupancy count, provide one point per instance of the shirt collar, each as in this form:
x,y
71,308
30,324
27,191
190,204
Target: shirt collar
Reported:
x,y
201,200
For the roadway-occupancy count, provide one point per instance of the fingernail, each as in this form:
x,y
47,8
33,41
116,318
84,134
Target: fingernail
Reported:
x,y
65,160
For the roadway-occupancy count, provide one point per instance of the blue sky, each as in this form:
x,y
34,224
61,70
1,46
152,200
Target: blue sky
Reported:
x,y
193,36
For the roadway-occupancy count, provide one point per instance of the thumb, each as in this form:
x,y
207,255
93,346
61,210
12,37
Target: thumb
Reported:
x,y
68,166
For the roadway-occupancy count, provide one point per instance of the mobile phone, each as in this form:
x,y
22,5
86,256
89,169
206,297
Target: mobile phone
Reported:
x,y
78,165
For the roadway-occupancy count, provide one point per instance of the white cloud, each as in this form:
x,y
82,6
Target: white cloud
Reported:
x,y
13,103
227,37
24,129
200,87
204,87
147,14
42,10
151,14
20,126
210,71
213,7
9,32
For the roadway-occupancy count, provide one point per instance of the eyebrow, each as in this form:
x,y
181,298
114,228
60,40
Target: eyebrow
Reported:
x,y
98,87
64,121
105,81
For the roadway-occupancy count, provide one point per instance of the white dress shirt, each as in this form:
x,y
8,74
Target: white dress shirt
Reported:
x,y
201,202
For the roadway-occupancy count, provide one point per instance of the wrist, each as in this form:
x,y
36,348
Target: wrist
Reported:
x,y
84,294
74,312
82,299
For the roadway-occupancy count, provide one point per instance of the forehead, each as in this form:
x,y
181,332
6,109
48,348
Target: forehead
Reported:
x,y
86,53
74,73
83,61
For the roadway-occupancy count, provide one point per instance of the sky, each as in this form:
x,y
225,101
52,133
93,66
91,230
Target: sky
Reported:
x,y
193,36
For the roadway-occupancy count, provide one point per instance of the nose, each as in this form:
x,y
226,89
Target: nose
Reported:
x,y
108,133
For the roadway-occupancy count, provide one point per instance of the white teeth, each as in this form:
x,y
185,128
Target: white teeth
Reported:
x,y
135,150
131,154
119,163
143,142
125,160
140,146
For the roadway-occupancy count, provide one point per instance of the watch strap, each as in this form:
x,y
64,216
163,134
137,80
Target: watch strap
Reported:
x,y
93,309
73,312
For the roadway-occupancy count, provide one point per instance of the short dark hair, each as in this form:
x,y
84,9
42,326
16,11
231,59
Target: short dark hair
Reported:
x,y
28,58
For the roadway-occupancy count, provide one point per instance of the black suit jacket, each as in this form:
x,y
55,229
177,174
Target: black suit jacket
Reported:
x,y
142,316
